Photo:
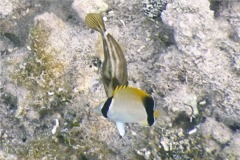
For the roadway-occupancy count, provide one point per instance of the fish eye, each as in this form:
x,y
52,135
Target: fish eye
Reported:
x,y
97,62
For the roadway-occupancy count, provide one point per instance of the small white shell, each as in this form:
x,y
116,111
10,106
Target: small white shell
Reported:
x,y
192,131
55,127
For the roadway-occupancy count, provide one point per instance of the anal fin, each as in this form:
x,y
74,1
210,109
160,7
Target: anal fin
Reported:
x,y
121,128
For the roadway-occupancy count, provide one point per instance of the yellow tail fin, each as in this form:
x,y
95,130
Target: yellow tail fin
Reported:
x,y
156,114
95,21
160,113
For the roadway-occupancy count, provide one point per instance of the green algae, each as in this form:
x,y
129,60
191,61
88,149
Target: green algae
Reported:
x,y
40,68
62,146
41,73
47,148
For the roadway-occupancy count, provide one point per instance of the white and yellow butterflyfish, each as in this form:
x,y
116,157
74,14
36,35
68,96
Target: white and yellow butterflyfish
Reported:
x,y
129,105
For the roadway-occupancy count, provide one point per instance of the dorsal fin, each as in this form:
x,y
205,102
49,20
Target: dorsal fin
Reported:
x,y
142,94
118,88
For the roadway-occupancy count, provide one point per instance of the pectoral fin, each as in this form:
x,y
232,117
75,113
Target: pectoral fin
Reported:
x,y
121,128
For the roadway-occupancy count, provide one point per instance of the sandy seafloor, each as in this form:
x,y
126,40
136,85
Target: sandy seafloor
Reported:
x,y
185,53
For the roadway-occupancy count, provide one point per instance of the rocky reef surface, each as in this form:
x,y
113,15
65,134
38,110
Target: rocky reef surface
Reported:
x,y
185,53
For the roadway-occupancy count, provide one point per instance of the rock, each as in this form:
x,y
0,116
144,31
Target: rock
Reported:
x,y
83,7
231,151
7,156
182,100
211,146
212,129
189,59
7,7
206,54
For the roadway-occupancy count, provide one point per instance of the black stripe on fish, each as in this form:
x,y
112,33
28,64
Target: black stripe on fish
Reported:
x,y
106,106
149,107
114,68
115,83
117,60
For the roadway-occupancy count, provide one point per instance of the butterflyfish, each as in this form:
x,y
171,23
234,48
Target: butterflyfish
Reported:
x,y
129,105
114,67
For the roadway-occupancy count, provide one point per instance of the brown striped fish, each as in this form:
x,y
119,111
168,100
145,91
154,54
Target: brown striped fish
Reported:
x,y
114,68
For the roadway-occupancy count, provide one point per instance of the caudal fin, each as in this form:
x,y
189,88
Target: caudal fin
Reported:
x,y
95,21
160,114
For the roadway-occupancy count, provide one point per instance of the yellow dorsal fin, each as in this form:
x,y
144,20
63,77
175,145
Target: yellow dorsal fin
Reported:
x,y
118,88
137,91
141,93
95,21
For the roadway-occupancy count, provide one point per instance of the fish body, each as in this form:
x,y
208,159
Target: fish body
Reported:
x,y
114,68
124,104
129,105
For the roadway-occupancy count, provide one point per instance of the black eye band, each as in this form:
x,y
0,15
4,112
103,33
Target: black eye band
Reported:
x,y
149,107
106,106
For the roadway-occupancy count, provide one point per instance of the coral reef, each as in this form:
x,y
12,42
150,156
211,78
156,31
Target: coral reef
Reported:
x,y
184,53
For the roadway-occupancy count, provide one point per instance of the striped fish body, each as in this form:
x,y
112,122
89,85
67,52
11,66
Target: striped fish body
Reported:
x,y
114,69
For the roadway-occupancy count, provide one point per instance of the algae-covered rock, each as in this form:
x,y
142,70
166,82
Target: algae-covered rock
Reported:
x,y
231,151
41,72
184,53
